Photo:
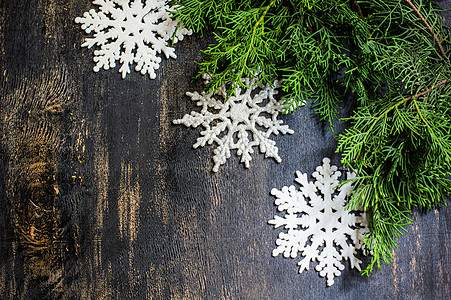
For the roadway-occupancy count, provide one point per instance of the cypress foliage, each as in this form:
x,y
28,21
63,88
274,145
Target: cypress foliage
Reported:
x,y
389,56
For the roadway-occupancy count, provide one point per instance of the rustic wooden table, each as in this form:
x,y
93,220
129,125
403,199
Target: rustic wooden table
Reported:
x,y
103,198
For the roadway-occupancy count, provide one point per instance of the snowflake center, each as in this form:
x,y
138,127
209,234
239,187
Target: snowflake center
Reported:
x,y
239,112
133,24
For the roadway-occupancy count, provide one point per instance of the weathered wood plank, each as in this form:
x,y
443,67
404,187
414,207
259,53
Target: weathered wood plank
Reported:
x,y
124,208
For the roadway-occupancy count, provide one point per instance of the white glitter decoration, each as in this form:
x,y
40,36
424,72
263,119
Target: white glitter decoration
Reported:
x,y
242,122
131,32
322,228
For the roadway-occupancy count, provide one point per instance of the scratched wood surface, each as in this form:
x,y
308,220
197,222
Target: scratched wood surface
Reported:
x,y
103,198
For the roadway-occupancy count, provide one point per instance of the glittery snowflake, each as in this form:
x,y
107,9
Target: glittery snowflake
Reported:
x,y
242,122
131,31
322,228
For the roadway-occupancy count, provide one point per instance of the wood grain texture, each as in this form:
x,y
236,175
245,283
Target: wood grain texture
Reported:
x,y
101,197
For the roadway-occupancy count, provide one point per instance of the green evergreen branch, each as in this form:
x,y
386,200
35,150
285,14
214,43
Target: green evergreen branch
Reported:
x,y
260,21
442,51
378,54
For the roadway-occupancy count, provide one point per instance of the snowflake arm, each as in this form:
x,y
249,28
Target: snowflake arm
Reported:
x,y
131,33
210,135
241,123
321,229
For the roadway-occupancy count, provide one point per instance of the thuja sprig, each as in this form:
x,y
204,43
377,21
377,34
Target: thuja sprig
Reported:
x,y
400,139
389,57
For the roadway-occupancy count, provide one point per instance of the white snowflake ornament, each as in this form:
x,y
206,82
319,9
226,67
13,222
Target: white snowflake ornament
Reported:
x,y
131,31
243,121
322,228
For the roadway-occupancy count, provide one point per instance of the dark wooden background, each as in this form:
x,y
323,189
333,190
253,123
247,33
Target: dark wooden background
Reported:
x,y
103,198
